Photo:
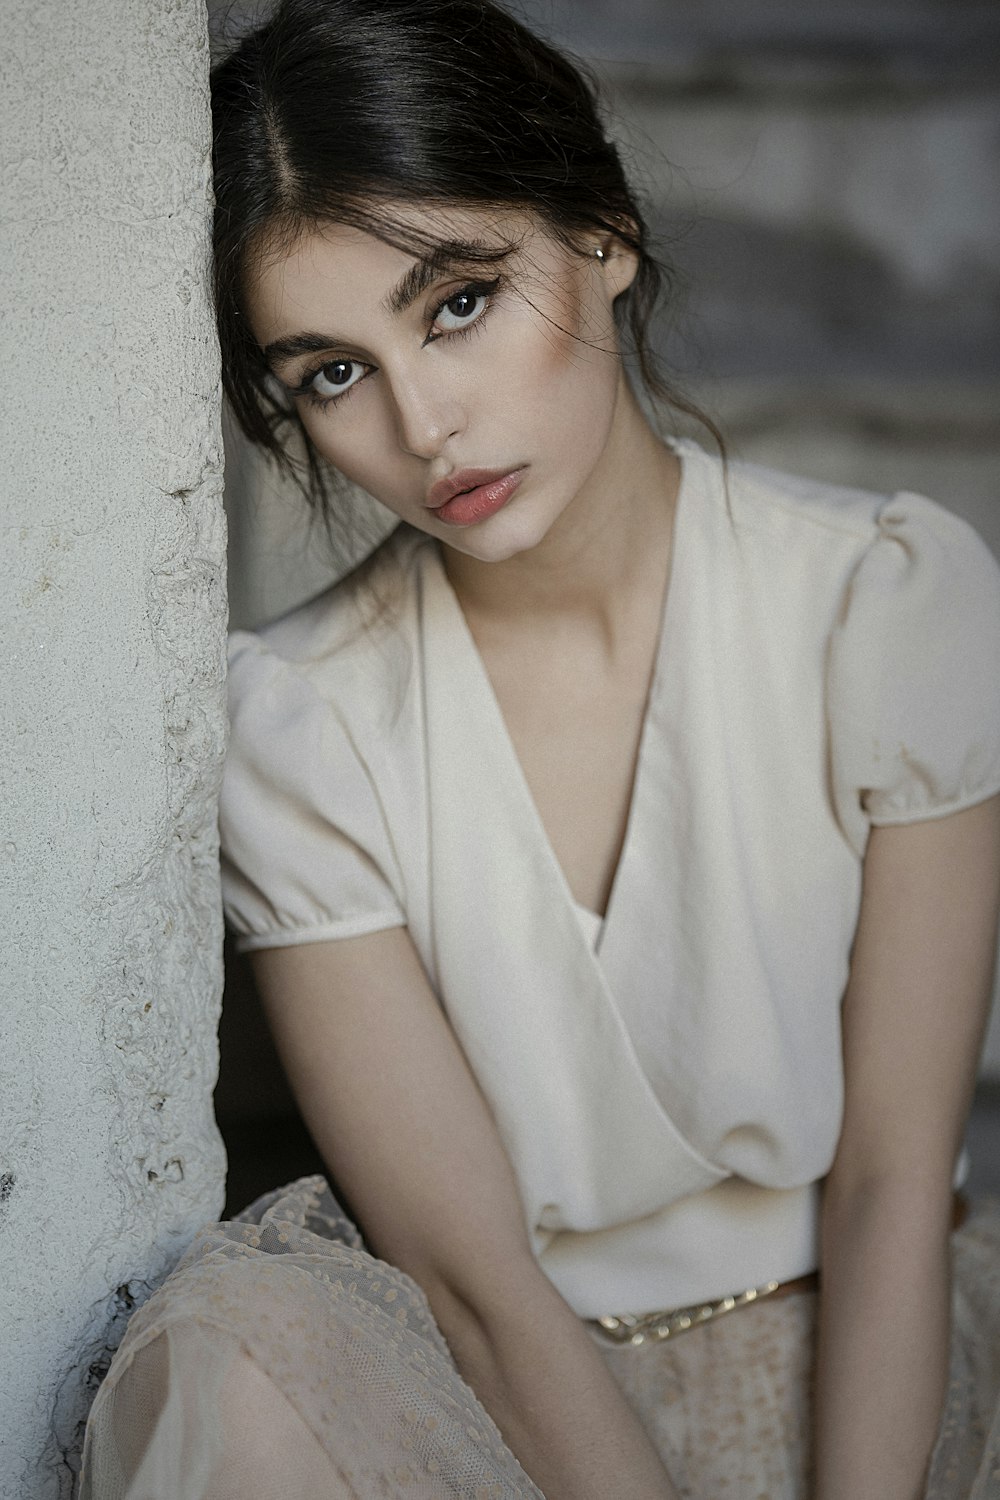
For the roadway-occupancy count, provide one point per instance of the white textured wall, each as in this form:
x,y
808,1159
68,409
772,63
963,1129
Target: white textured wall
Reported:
x,y
112,614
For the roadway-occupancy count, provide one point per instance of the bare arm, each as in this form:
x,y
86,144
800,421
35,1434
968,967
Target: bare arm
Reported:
x,y
394,1109
914,1015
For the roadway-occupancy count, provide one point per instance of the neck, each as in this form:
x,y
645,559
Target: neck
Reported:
x,y
611,542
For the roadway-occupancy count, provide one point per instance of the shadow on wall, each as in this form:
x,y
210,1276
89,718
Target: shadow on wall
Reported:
x,y
266,1141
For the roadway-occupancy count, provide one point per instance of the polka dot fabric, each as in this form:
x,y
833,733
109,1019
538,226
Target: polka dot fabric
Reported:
x,y
280,1358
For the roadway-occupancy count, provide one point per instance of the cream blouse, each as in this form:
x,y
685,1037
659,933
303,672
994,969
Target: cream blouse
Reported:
x,y
668,1085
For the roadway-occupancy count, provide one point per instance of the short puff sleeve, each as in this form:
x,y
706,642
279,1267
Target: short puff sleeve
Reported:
x,y
306,854
914,672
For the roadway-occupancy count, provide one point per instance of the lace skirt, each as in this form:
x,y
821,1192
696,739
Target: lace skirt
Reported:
x,y
280,1358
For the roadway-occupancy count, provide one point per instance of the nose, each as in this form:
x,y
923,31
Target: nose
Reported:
x,y
428,413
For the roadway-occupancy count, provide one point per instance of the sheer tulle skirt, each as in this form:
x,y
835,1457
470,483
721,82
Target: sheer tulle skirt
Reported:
x,y
281,1359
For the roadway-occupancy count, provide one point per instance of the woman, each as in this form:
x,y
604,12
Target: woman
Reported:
x,y
619,851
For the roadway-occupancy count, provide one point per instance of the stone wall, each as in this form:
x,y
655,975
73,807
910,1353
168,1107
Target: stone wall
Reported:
x,y
112,612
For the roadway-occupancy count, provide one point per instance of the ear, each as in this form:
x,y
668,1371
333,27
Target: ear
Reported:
x,y
618,264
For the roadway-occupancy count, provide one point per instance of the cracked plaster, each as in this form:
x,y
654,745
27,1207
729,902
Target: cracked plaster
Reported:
x,y
111,705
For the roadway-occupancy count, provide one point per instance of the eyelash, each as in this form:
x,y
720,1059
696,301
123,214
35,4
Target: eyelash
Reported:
x,y
487,289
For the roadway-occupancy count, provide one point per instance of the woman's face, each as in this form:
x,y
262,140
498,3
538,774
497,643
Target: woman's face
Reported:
x,y
474,400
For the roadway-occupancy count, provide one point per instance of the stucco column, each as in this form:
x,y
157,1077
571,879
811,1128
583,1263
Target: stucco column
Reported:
x,y
112,616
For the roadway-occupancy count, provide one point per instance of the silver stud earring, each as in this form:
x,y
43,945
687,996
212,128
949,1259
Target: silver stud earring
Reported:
x,y
599,253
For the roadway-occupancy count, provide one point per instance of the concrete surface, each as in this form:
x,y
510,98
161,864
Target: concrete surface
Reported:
x,y
112,612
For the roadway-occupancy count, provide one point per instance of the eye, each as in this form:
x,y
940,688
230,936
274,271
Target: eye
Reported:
x,y
335,378
463,308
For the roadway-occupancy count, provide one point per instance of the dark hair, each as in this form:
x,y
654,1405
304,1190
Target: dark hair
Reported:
x,y
335,109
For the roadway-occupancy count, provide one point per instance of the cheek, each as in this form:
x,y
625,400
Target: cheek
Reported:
x,y
569,348
564,382
357,443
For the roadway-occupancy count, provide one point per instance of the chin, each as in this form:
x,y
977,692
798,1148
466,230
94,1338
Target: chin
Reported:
x,y
501,537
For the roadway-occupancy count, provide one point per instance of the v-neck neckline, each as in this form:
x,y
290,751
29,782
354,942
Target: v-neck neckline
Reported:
x,y
501,735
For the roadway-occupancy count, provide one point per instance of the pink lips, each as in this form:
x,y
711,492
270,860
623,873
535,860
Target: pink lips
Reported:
x,y
470,495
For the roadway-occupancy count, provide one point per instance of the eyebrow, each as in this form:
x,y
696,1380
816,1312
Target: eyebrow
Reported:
x,y
429,268
445,257
284,350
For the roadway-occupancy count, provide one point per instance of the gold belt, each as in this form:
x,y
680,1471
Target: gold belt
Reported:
x,y
629,1328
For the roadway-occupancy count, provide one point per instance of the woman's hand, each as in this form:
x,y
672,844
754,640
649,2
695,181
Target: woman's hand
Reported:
x,y
914,1015
394,1109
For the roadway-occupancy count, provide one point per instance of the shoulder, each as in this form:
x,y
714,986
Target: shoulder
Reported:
x,y
314,719
749,500
375,598
815,513
880,610
847,537
790,505
356,637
